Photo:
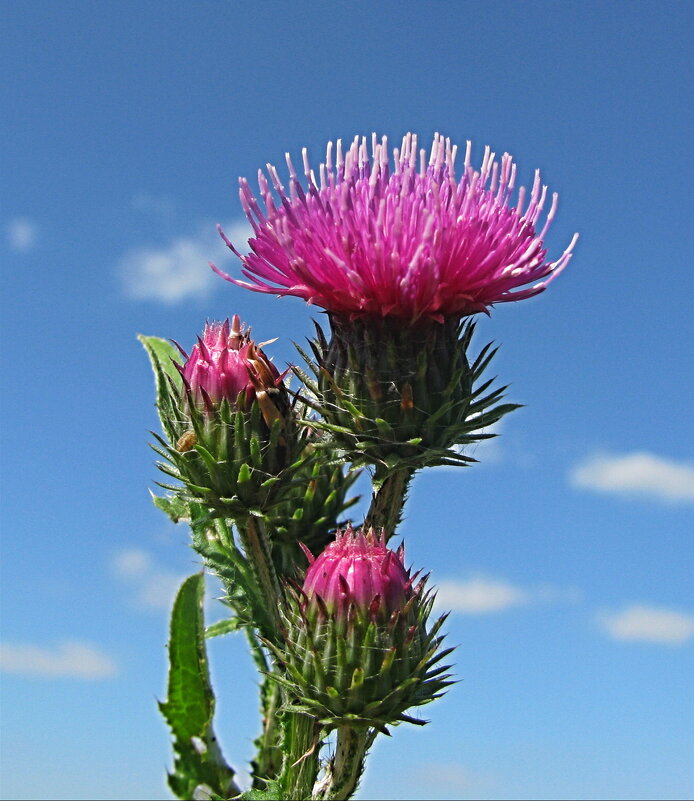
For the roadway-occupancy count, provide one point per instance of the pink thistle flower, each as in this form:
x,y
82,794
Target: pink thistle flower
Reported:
x,y
412,242
358,569
226,364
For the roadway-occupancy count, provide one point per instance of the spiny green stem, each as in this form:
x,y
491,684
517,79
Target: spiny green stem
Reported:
x,y
259,656
348,763
268,761
388,500
257,549
301,748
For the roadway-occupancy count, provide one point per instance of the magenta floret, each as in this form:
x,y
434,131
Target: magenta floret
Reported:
x,y
224,363
412,242
357,568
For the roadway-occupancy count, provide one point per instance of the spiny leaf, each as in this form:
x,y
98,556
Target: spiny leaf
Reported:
x,y
227,626
272,792
189,706
162,354
199,766
173,505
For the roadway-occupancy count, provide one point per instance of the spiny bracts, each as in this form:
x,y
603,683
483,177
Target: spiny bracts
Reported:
x,y
357,647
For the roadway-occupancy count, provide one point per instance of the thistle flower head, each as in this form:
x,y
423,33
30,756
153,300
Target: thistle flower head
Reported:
x,y
358,649
409,241
357,569
226,364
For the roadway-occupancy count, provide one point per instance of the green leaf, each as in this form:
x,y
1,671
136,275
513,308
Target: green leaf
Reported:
x,y
198,765
227,626
161,353
272,792
190,703
173,505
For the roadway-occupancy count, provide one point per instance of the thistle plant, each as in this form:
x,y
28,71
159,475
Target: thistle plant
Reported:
x,y
400,254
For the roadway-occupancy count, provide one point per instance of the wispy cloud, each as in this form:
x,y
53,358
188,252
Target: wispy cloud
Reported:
x,y
68,659
161,206
21,233
179,269
639,473
479,595
152,587
640,623
450,776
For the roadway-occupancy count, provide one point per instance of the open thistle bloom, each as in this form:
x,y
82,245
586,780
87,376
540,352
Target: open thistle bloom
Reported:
x,y
409,242
357,648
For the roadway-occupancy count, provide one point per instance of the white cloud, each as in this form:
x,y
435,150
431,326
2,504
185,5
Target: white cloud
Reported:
x,y
180,269
640,623
451,776
159,589
152,587
68,659
488,451
479,595
21,234
238,231
169,274
131,562
638,473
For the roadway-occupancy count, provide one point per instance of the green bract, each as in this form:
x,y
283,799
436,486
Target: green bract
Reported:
x,y
399,396
357,670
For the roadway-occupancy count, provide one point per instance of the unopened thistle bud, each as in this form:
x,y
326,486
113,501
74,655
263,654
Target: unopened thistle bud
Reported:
x,y
358,570
225,364
228,421
236,442
358,650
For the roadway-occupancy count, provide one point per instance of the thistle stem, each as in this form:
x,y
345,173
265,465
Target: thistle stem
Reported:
x,y
388,500
257,549
301,747
348,763
268,761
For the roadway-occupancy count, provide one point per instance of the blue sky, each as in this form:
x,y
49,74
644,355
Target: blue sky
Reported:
x,y
565,554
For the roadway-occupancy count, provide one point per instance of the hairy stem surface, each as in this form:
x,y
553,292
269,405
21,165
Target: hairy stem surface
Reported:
x,y
388,500
268,760
348,764
301,748
257,549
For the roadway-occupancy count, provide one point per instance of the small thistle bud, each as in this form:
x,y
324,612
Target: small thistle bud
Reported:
x,y
226,364
236,441
358,569
357,650
227,420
